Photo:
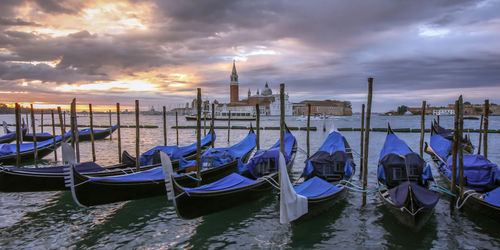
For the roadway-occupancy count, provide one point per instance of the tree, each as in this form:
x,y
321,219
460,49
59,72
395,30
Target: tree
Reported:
x,y
402,109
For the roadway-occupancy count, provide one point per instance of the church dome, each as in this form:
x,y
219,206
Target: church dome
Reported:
x,y
266,91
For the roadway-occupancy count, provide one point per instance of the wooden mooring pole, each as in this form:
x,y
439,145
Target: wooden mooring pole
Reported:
x,y
137,137
110,125
460,146
213,126
257,123
308,130
19,135
41,120
54,134
119,132
92,132
367,137
177,128
362,141
480,135
198,134
454,155
485,133
63,129
204,122
282,118
33,127
229,127
422,129
74,132
164,126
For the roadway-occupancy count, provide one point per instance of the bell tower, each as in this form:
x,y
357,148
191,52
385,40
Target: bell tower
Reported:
x,y
234,88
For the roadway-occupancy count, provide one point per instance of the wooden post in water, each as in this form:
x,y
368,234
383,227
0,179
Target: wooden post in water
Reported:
x,y
422,129
177,128
282,118
61,125
438,119
33,127
64,120
213,125
110,125
308,128
27,122
204,122
460,146
198,134
486,121
367,137
74,133
137,136
41,120
362,141
119,132
19,135
257,123
164,126
92,132
480,135
454,155
229,126
54,134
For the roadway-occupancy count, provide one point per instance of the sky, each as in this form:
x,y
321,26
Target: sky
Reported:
x,y
159,52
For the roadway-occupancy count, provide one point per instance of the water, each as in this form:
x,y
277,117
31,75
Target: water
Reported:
x,y
52,219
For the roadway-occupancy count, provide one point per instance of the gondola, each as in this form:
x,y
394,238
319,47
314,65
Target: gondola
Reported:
x,y
324,171
84,134
403,179
8,152
253,180
14,179
482,177
10,136
216,164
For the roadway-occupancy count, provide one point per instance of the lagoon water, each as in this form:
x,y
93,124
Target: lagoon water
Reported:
x,y
53,220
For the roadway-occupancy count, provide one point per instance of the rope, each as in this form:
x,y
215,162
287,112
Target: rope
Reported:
x,y
270,181
194,178
471,193
302,150
81,183
441,189
412,214
359,190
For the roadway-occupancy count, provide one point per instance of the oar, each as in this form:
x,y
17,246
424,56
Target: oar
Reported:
x,y
430,150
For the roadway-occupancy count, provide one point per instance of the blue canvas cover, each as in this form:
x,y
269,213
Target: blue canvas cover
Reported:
x,y
86,131
231,181
480,174
493,197
316,187
39,134
85,167
174,152
394,145
236,151
441,146
155,174
10,149
270,154
324,156
427,198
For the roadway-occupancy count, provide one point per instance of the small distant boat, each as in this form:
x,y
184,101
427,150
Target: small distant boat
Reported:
x,y
482,177
404,178
217,163
252,181
323,172
14,179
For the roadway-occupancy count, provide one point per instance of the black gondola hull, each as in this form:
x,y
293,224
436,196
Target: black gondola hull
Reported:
x,y
29,155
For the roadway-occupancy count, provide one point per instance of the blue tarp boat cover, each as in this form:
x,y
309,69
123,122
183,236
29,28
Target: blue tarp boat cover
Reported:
x,y
87,130
39,134
395,158
493,197
85,167
231,181
394,145
441,146
155,174
480,174
427,198
215,156
316,187
10,149
333,150
174,152
272,154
